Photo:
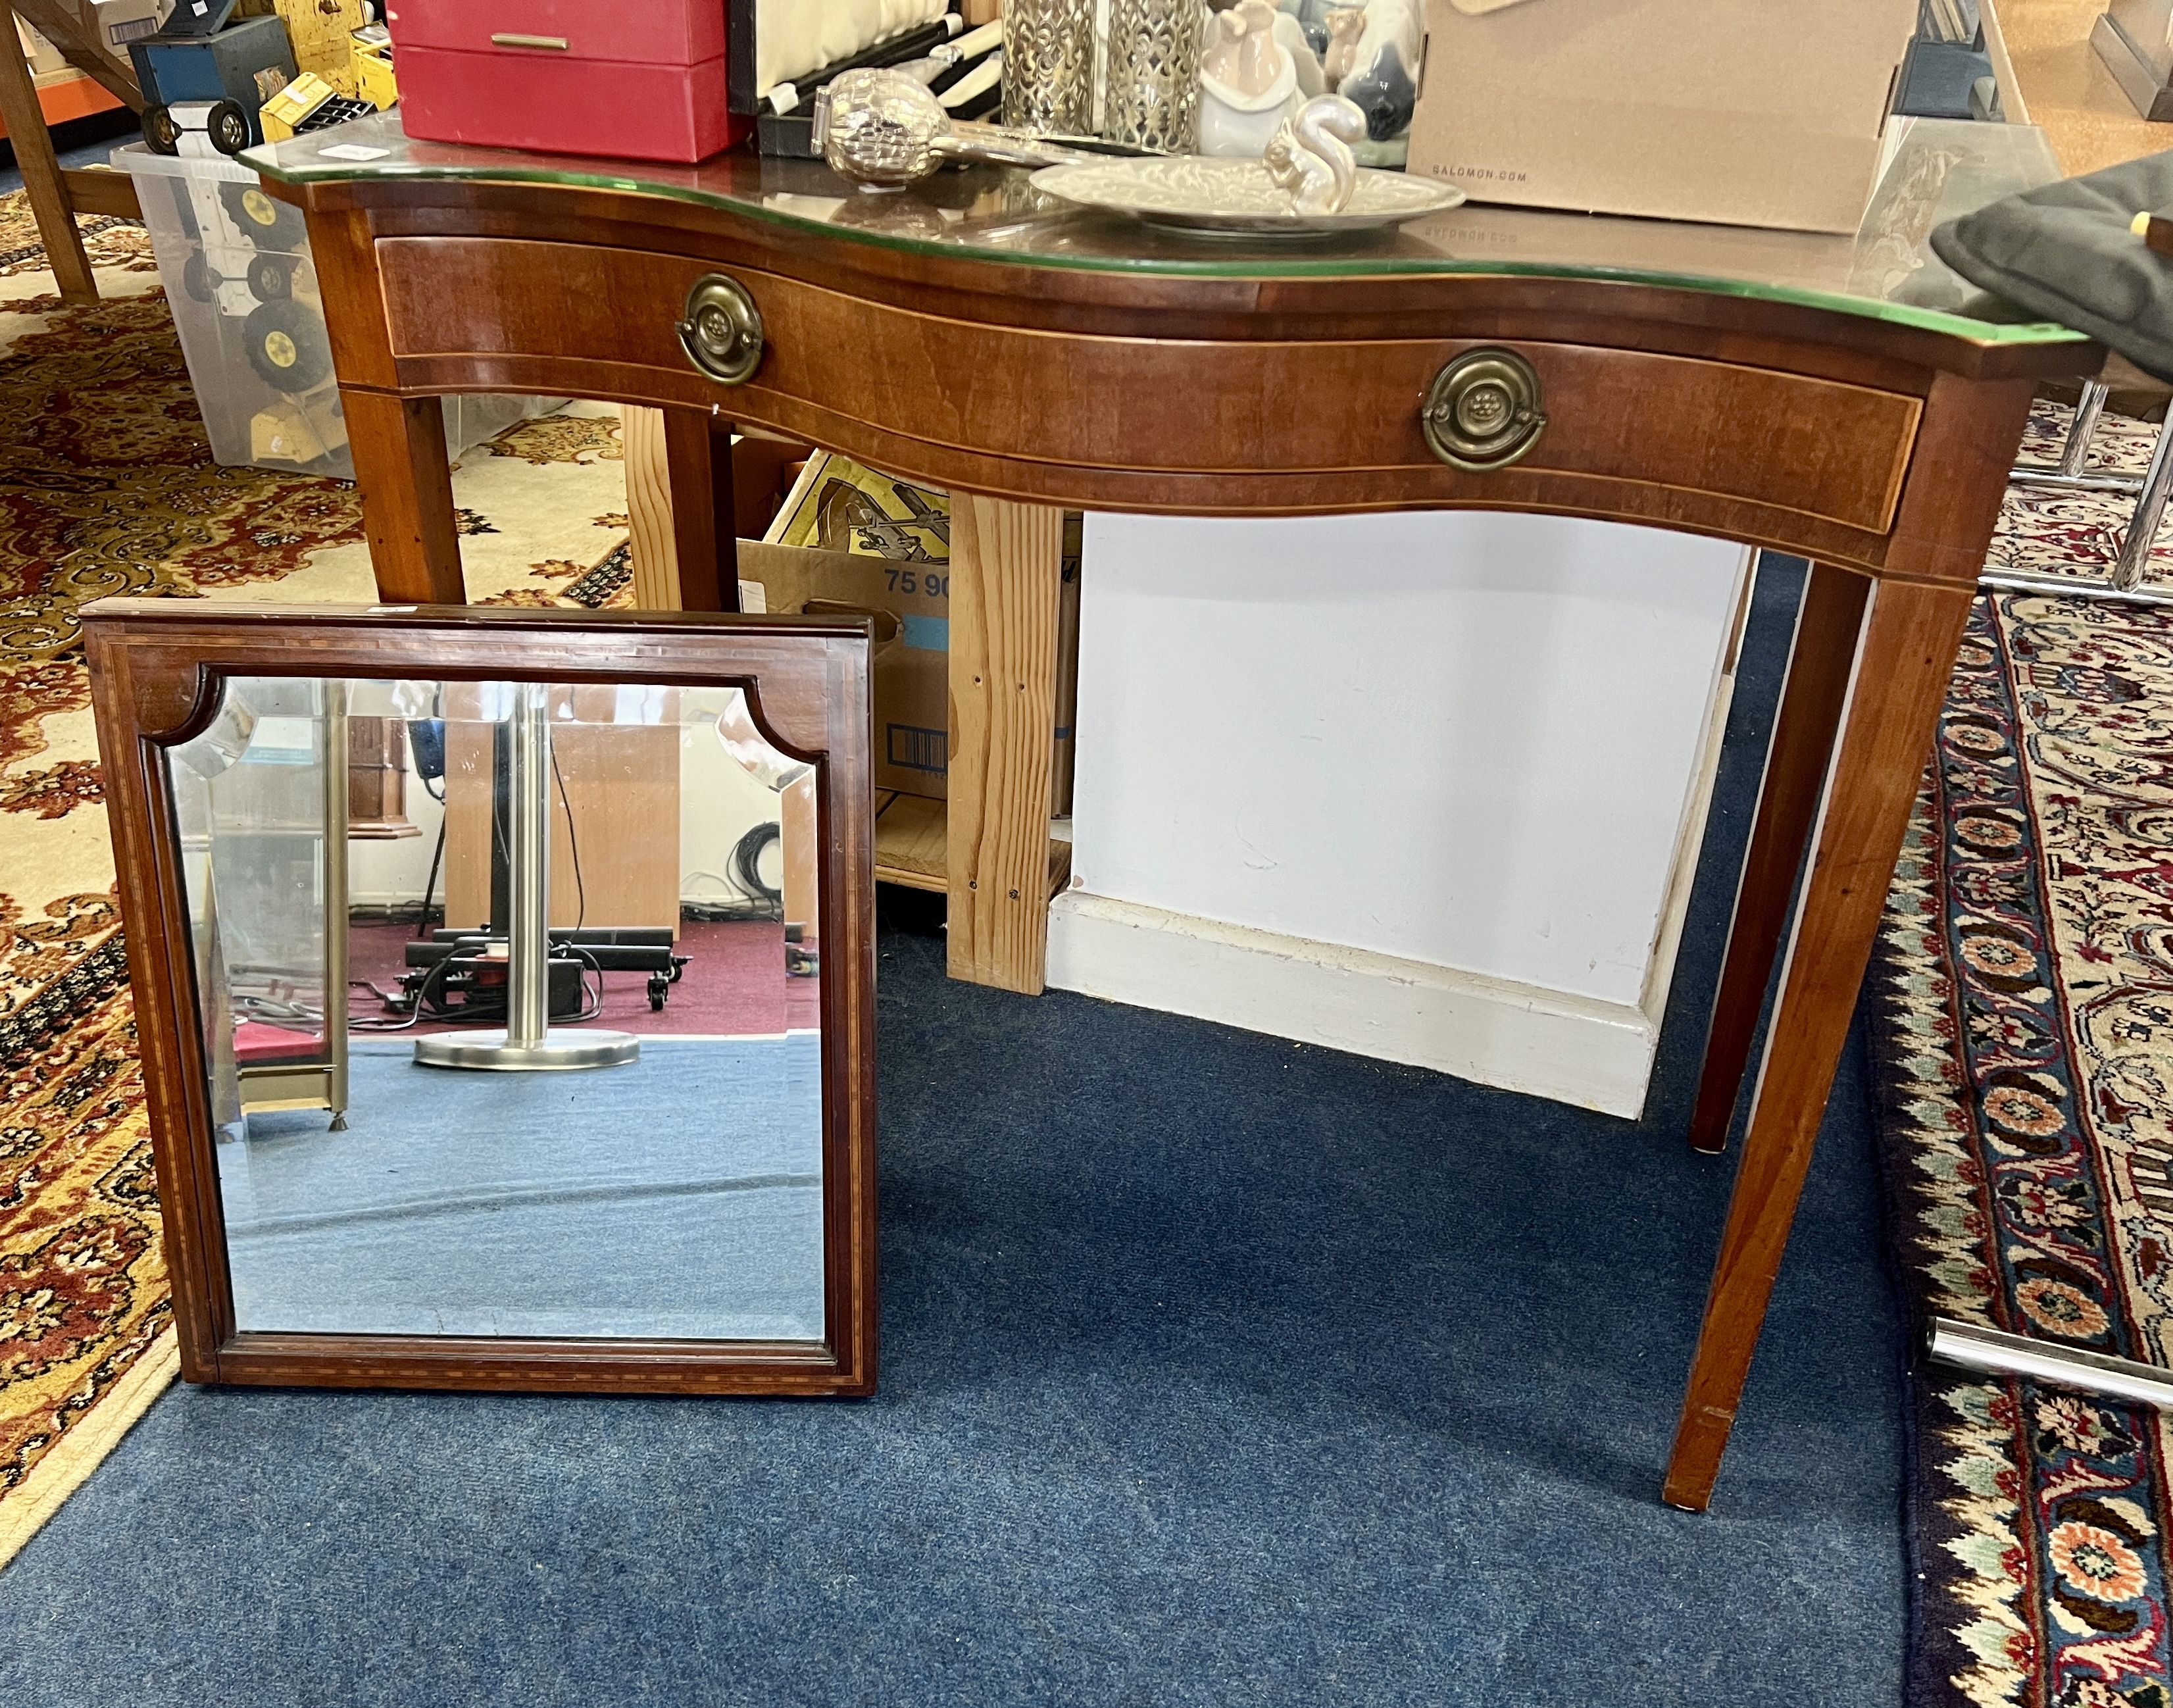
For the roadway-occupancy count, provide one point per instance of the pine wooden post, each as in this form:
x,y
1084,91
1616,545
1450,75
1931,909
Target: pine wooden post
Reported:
x,y
649,509
1005,577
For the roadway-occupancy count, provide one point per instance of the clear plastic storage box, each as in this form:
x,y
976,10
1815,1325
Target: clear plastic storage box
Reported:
x,y
235,264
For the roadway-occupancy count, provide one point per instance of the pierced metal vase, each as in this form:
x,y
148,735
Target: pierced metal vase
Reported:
x,y
1049,66
1152,100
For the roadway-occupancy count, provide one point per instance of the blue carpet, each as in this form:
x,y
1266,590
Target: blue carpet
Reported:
x,y
1217,1371
541,1204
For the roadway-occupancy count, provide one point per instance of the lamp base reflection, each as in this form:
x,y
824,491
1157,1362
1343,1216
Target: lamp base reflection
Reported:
x,y
555,1049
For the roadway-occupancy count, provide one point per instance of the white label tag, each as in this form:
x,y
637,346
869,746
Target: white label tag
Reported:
x,y
352,151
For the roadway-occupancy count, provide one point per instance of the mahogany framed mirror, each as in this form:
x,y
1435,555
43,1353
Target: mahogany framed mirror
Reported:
x,y
505,981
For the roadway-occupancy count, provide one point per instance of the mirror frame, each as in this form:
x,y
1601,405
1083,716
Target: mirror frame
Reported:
x,y
157,667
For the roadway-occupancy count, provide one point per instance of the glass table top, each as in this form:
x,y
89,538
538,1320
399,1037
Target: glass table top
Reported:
x,y
1937,170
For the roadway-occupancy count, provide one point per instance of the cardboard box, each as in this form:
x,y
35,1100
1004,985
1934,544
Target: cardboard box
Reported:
x,y
838,505
911,605
882,546
1711,110
121,22
43,55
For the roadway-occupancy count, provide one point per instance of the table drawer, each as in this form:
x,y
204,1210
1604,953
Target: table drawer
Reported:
x,y
1817,447
674,32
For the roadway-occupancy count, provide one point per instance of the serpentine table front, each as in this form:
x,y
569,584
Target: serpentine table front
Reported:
x,y
1826,397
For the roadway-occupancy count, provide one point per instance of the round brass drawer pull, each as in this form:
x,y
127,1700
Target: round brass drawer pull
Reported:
x,y
1482,411
722,332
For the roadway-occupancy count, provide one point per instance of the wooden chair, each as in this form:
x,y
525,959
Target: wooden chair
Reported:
x,y
57,195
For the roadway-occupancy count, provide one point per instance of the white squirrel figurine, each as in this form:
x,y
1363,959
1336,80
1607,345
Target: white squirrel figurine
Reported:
x,y
1310,156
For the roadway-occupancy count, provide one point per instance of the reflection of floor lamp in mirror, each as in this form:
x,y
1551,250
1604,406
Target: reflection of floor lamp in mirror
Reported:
x,y
528,1043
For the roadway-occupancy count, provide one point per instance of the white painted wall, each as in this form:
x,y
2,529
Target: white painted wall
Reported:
x,y
1468,751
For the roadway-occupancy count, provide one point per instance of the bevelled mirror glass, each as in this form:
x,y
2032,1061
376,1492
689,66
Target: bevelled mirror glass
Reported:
x,y
505,981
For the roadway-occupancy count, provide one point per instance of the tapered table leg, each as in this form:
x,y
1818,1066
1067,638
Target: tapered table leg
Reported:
x,y
1909,638
1005,576
679,510
703,510
1819,663
407,485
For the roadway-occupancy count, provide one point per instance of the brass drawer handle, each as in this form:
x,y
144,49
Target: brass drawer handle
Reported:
x,y
1482,411
722,332
557,44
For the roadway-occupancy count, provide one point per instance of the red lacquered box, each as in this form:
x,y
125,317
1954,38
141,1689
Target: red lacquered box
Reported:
x,y
641,80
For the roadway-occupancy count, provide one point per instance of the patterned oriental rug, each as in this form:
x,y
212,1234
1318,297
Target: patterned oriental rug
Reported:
x,y
106,486
2022,1008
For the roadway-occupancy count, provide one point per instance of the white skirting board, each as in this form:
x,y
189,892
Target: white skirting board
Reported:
x,y
1521,1038
1597,1056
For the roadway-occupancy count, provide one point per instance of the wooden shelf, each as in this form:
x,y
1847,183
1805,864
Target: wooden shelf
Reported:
x,y
910,845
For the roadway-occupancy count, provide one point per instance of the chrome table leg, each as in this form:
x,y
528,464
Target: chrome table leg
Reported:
x,y
2124,583
2069,474
1991,1353
2149,511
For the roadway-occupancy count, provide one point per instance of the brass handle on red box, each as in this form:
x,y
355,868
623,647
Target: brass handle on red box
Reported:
x,y
722,332
557,44
1482,411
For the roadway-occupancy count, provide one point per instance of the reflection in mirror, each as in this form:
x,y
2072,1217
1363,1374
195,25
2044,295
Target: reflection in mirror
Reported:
x,y
568,941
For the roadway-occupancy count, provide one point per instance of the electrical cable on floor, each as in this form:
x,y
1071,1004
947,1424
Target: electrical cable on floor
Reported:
x,y
743,873
580,896
490,1011
597,1007
745,864
415,1014
274,1009
737,910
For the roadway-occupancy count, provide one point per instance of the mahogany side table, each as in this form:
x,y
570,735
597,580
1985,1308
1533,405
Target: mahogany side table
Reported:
x,y
1827,396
